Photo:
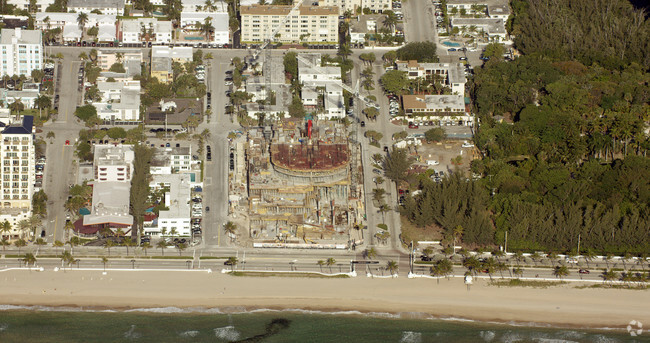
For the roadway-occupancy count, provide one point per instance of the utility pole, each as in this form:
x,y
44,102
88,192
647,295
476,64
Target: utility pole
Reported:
x,y
505,248
578,245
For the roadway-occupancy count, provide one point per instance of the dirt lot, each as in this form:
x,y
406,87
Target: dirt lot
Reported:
x,y
410,232
444,153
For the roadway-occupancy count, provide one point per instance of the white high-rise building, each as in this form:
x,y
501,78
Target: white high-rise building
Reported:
x,y
21,51
17,171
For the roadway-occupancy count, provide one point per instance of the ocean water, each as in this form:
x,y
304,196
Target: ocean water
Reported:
x,y
70,325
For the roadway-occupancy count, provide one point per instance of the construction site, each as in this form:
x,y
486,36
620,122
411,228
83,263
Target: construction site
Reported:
x,y
304,185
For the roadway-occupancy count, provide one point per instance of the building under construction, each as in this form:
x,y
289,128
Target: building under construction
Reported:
x,y
304,185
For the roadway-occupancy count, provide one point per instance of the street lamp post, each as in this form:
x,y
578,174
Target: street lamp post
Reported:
x,y
132,264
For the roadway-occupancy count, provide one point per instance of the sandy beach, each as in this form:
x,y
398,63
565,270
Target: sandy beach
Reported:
x,y
562,306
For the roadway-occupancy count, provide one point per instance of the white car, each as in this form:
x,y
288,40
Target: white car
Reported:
x,y
228,83
432,162
467,144
571,260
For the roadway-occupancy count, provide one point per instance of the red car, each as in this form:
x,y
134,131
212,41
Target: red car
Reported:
x,y
413,126
583,271
67,142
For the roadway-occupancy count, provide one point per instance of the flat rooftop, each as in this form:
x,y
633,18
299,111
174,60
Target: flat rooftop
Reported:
x,y
309,157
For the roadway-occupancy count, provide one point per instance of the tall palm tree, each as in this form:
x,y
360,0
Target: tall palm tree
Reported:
x,y
609,275
128,242
108,244
457,233
72,242
66,258
320,263
20,244
40,242
58,244
230,228
207,27
162,245
370,253
330,262
232,262
82,19
104,261
145,246
392,267
561,271
536,257
5,228
5,243
181,247
29,259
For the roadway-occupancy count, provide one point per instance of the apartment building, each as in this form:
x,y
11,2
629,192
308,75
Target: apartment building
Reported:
x,y
21,51
162,58
114,7
17,173
175,220
120,101
305,24
192,21
40,5
105,59
171,160
450,74
72,32
376,6
321,82
113,163
146,30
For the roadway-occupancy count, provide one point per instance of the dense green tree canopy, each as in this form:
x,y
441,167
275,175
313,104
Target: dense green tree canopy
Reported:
x,y
420,51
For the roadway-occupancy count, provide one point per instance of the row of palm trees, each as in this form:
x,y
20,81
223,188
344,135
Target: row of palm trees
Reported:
x,y
25,226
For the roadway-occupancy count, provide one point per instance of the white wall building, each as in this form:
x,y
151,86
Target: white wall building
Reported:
x,y
114,7
177,200
306,24
146,29
17,173
201,6
325,81
120,101
26,97
171,160
376,6
41,5
21,51
194,20
113,162
451,74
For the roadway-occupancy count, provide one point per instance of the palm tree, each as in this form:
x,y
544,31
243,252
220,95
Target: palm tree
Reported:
x,y
436,272
489,265
162,245
67,258
72,242
370,253
519,256
128,242
82,19
207,27
40,242
609,275
104,261
29,259
173,232
383,208
457,233
230,229
518,272
392,267
589,255
536,256
108,244
378,194
5,228
608,258
320,263
552,257
57,244
5,243
145,246
561,271
472,264
330,262
20,244
181,247
445,267
232,262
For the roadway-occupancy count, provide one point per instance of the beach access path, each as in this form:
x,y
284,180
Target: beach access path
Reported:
x,y
563,305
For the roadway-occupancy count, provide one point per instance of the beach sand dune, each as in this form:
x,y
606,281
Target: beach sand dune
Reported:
x,y
558,306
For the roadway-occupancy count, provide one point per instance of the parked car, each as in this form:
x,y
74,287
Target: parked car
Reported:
x,y
583,271
376,171
467,144
413,126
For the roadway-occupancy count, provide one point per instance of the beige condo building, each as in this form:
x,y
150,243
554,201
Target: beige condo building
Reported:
x,y
305,24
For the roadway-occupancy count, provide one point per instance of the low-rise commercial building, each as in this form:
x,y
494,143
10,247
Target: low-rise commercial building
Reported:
x,y
441,109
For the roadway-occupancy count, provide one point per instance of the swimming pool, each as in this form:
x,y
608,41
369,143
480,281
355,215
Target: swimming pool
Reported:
x,y
452,44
